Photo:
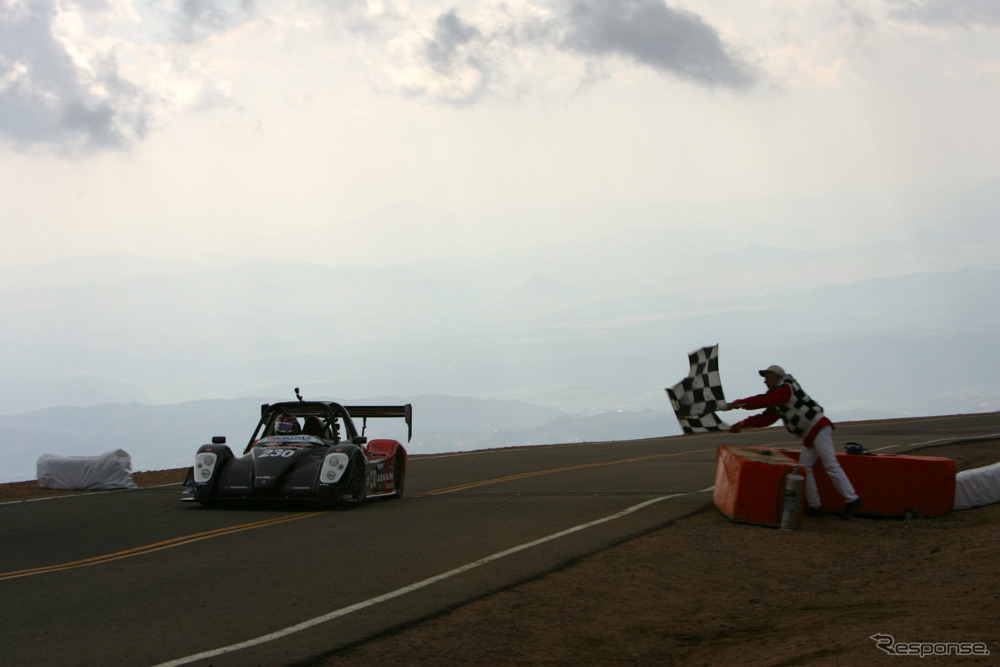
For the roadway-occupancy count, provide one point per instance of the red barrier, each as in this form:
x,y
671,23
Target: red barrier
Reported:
x,y
750,484
891,485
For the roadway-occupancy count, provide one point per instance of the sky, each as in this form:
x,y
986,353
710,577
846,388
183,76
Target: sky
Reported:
x,y
385,131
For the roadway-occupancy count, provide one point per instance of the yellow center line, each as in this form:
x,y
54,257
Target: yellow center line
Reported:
x,y
156,546
537,473
197,537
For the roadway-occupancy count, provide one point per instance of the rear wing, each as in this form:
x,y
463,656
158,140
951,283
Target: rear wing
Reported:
x,y
363,412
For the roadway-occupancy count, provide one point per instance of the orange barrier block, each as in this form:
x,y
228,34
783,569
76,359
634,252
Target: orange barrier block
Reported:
x,y
891,485
750,484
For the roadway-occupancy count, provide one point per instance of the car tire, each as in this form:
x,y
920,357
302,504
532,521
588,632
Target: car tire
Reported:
x,y
357,482
399,476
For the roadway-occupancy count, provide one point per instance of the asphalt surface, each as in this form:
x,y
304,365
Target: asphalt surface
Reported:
x,y
140,578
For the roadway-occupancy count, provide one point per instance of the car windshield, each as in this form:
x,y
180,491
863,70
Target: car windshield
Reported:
x,y
316,425
326,422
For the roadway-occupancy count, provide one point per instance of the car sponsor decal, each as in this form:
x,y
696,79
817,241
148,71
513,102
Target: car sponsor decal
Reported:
x,y
271,453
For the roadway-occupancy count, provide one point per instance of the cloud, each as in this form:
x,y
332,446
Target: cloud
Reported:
x,y
51,95
196,20
671,41
947,12
451,34
88,75
459,58
466,56
458,50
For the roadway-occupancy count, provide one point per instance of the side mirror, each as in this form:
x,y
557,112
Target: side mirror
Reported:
x,y
218,439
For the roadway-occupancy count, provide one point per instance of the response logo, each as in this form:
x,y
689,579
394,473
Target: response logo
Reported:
x,y
889,644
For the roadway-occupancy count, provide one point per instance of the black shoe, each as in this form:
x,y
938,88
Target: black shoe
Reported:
x,y
813,511
852,507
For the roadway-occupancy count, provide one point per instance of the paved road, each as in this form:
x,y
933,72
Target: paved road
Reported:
x,y
138,578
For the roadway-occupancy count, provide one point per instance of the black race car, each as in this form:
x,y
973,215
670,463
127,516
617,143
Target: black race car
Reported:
x,y
305,450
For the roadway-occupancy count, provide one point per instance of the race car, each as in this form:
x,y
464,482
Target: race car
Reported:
x,y
307,451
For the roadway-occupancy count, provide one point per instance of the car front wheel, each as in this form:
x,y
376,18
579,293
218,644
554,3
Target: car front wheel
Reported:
x,y
357,486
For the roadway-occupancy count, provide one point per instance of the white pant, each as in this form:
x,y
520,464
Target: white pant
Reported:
x,y
823,450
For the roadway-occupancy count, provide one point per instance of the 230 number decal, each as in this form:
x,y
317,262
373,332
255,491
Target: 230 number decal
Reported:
x,y
284,453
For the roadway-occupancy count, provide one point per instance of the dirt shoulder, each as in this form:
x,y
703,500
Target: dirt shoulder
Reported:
x,y
707,591
30,489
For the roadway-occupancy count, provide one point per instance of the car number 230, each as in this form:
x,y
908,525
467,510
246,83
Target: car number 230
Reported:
x,y
285,453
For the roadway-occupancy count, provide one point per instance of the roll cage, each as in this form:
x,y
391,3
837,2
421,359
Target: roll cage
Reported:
x,y
329,413
326,413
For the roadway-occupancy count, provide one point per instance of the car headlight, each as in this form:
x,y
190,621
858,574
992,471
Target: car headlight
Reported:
x,y
204,466
334,467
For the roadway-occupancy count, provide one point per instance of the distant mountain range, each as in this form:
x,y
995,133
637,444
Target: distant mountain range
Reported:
x,y
166,436
259,329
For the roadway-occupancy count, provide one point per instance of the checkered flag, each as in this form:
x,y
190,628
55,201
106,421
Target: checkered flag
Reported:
x,y
696,397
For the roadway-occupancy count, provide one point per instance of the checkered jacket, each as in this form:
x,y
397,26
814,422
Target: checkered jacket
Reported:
x,y
802,416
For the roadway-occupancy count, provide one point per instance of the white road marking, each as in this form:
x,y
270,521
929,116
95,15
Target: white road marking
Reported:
x,y
65,495
84,493
931,442
263,639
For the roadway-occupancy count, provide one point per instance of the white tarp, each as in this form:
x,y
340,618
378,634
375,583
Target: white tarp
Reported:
x,y
977,487
110,470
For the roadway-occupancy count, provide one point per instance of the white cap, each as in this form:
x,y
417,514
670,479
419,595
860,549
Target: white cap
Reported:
x,y
777,370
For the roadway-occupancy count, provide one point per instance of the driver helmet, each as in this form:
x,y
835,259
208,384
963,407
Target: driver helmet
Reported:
x,y
286,425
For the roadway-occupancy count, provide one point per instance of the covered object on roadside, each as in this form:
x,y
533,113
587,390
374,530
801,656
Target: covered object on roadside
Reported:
x,y
110,470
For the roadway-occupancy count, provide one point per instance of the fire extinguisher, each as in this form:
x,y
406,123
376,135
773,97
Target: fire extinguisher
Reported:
x,y
791,504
